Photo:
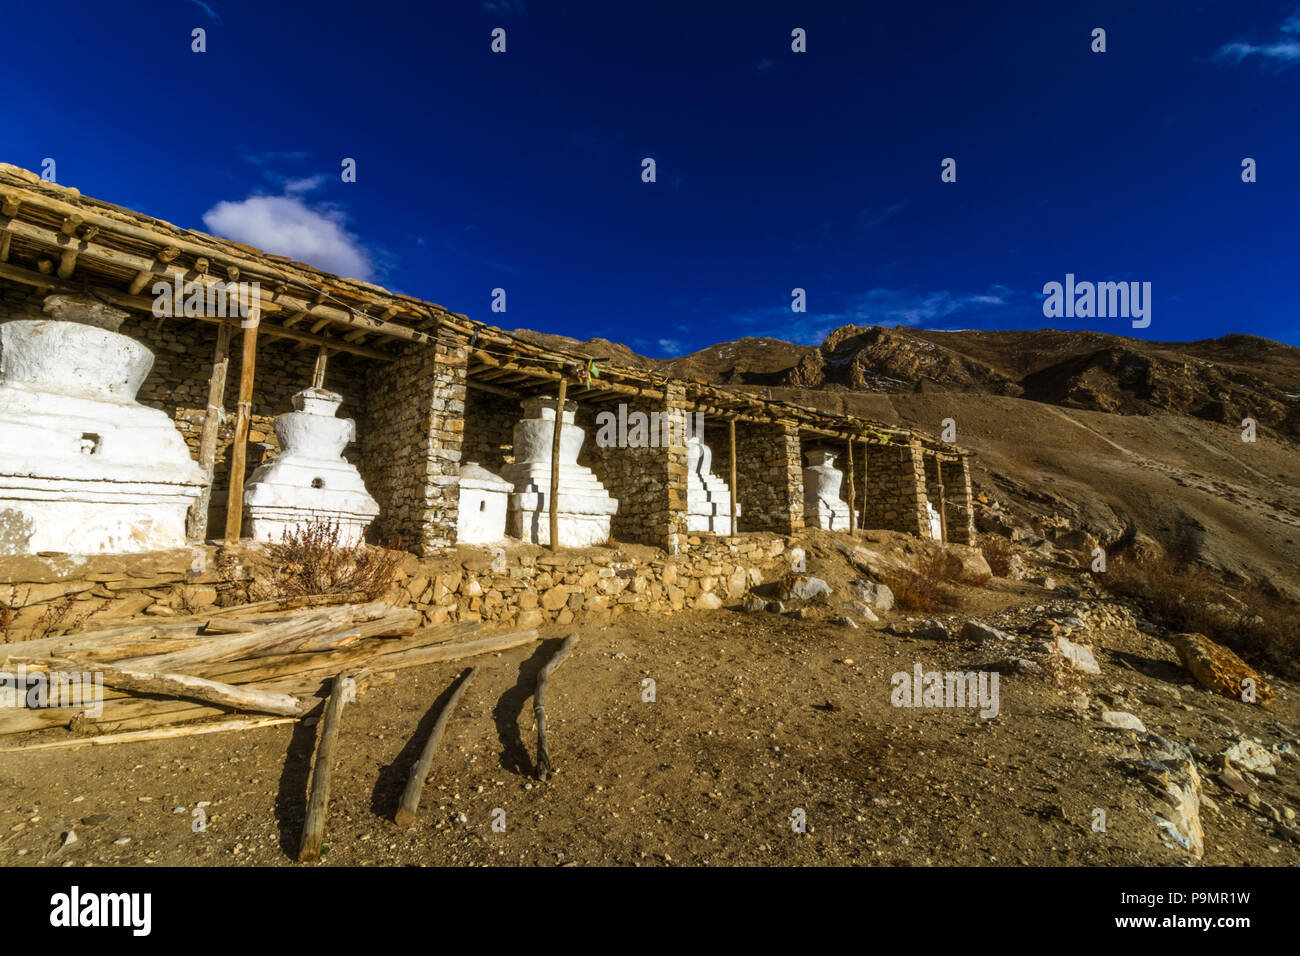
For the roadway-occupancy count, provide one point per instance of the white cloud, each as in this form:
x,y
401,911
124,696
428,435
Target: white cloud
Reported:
x,y
207,9
287,226
1280,52
867,219
671,346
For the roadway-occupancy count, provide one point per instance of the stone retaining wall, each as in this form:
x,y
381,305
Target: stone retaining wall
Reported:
x,y
49,596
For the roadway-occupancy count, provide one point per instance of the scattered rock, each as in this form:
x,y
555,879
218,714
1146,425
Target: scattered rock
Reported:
x,y
797,587
1078,656
1248,755
978,631
873,595
753,603
1218,668
930,630
1122,720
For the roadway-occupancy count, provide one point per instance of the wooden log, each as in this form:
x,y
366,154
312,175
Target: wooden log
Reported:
x,y
853,514
311,632
553,500
420,772
451,652
188,687
239,449
196,523
189,730
731,431
313,830
539,705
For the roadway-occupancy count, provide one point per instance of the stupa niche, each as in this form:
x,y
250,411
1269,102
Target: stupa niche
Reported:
x,y
585,507
708,497
310,480
823,506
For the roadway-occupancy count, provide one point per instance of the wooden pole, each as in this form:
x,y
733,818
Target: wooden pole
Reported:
x,y
420,772
731,430
196,523
162,733
539,705
318,375
554,501
188,687
239,450
943,514
853,514
313,830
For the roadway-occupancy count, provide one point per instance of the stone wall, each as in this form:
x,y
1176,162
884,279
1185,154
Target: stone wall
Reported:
x,y
489,429
48,596
769,473
895,499
649,481
959,506
593,586
411,448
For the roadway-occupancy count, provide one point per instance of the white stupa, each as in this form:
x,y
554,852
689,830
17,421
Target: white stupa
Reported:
x,y
481,518
822,505
585,506
708,497
309,480
84,468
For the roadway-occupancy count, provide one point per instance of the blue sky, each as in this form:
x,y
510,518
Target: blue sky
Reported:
x,y
775,170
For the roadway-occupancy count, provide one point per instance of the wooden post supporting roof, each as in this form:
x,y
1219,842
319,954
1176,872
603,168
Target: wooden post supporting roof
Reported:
x,y
196,524
731,431
943,512
318,375
244,412
553,500
853,514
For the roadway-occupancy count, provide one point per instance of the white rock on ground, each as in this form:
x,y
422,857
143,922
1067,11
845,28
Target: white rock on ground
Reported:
x,y
1123,720
874,595
1248,755
1078,656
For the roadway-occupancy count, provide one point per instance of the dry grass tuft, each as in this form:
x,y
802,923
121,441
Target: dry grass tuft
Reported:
x,y
997,552
310,561
1255,621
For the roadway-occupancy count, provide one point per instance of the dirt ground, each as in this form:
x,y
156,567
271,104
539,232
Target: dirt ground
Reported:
x,y
754,717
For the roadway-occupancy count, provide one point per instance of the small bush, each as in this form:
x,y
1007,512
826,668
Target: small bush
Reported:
x,y
922,589
1188,597
310,561
997,552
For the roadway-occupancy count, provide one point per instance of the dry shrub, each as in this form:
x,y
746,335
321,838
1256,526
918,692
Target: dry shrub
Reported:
x,y
922,589
997,552
309,560
1258,621
1060,671
9,608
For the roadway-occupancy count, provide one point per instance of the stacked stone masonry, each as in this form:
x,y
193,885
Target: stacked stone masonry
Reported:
x,y
416,423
